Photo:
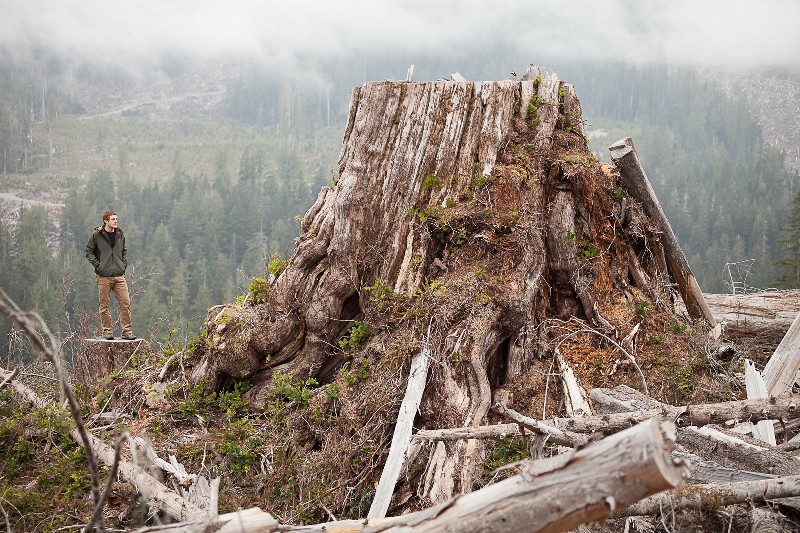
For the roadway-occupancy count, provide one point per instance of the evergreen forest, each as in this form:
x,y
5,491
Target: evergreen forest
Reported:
x,y
209,201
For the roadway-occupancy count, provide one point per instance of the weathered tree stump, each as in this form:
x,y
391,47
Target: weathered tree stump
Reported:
x,y
103,357
470,214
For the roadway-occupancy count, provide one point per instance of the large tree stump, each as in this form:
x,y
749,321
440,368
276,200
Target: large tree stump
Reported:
x,y
470,210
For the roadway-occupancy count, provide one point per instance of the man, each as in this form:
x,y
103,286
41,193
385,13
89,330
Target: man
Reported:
x,y
107,253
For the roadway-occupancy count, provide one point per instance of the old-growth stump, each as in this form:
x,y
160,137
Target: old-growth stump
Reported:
x,y
103,357
469,218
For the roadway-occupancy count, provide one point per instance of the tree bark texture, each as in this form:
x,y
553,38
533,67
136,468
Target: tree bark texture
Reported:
x,y
474,208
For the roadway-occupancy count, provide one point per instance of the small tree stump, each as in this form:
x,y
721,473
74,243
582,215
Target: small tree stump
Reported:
x,y
103,357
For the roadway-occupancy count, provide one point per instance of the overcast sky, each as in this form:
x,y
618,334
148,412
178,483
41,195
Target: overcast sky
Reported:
x,y
733,33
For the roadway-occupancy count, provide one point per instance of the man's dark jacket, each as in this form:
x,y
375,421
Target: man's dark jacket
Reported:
x,y
107,261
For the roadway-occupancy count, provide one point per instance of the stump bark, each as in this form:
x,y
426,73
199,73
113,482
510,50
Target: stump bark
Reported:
x,y
470,214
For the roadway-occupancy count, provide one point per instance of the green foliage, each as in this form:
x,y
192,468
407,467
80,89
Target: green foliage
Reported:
x,y
678,328
383,296
507,450
231,402
298,394
589,251
238,446
431,181
258,290
461,236
480,181
277,265
642,308
42,470
196,401
355,337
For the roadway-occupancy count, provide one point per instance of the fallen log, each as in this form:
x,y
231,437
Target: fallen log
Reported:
x,y
735,452
732,451
571,431
756,309
555,435
555,494
624,156
785,407
252,520
781,369
715,495
162,498
494,431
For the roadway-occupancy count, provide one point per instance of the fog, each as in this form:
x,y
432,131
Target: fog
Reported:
x,y
286,34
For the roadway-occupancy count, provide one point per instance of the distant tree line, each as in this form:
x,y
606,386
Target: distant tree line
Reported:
x,y
193,241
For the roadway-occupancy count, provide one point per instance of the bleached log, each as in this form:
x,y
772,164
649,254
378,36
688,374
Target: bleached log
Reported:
x,y
252,520
756,309
555,494
722,494
624,155
571,431
554,434
401,439
704,471
785,407
574,395
781,369
8,378
494,431
622,398
150,488
756,388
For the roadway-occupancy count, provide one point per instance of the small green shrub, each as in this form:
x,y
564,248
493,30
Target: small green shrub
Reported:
x,y
277,265
642,308
258,290
231,402
431,181
355,337
383,296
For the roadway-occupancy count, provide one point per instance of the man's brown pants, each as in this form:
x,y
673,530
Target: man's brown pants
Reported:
x,y
117,285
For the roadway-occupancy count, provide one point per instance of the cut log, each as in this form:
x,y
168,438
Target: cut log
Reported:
x,y
401,439
158,496
756,388
553,495
781,369
757,309
721,494
635,181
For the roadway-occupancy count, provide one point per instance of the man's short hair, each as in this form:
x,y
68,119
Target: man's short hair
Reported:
x,y
107,215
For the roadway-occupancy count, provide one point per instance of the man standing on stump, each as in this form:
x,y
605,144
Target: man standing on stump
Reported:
x,y
107,253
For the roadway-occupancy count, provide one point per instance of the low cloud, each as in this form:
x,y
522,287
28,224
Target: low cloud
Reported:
x,y
722,33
